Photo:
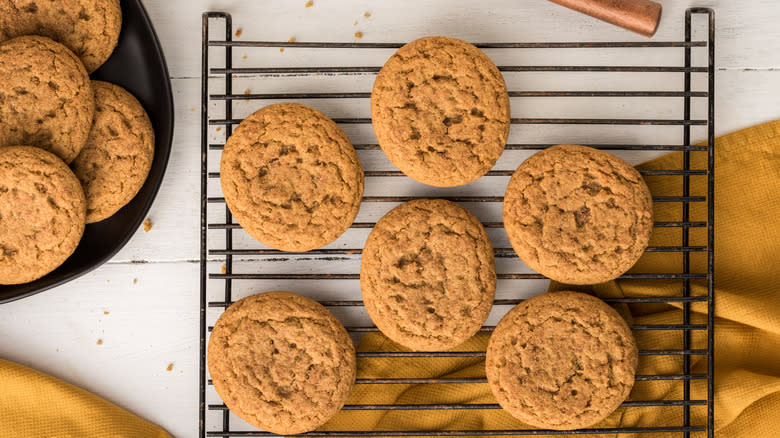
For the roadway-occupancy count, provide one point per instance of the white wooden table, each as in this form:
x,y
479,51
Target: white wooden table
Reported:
x,y
143,304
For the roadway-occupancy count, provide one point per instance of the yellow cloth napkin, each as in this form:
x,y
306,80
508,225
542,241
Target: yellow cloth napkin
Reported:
x,y
747,323
36,405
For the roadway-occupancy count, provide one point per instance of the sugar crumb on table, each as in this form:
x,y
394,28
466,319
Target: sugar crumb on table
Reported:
x,y
147,225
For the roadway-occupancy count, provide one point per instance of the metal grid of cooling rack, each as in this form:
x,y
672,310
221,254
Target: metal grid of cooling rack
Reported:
x,y
214,298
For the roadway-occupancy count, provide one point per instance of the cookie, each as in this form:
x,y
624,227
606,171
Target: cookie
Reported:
x,y
42,211
281,362
578,215
90,28
291,177
427,274
440,111
115,160
561,360
46,99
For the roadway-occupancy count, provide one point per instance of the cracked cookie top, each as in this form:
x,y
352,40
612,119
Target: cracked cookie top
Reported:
x,y
42,211
291,177
561,360
46,99
281,362
115,160
578,215
440,111
90,28
427,274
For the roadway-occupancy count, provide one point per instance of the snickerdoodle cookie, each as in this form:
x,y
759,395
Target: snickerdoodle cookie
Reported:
x,y
90,28
427,274
281,362
578,215
291,177
440,111
115,160
42,211
46,98
561,360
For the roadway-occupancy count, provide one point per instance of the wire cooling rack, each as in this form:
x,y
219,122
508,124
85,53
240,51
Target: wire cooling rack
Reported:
x,y
233,265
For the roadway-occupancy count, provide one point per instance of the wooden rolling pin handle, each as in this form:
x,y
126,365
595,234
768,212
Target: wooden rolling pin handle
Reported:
x,y
640,16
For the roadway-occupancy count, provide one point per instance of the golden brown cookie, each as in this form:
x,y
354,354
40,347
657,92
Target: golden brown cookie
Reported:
x,y
46,99
440,111
578,215
90,28
281,362
291,177
42,211
115,161
427,274
561,360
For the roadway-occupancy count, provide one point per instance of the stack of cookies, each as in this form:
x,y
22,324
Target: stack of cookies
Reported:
x,y
73,151
440,112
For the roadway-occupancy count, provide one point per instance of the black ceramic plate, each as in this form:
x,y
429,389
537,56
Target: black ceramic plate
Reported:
x,y
138,65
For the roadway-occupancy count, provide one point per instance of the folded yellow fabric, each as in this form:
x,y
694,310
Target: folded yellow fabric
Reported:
x,y
36,405
747,324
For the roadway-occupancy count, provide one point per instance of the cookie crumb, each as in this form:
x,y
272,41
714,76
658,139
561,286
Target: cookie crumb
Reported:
x,y
192,109
239,31
281,49
224,269
366,14
246,91
219,129
147,225
244,56
170,367
135,281
105,312
291,40
355,23
100,342
309,3
358,34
